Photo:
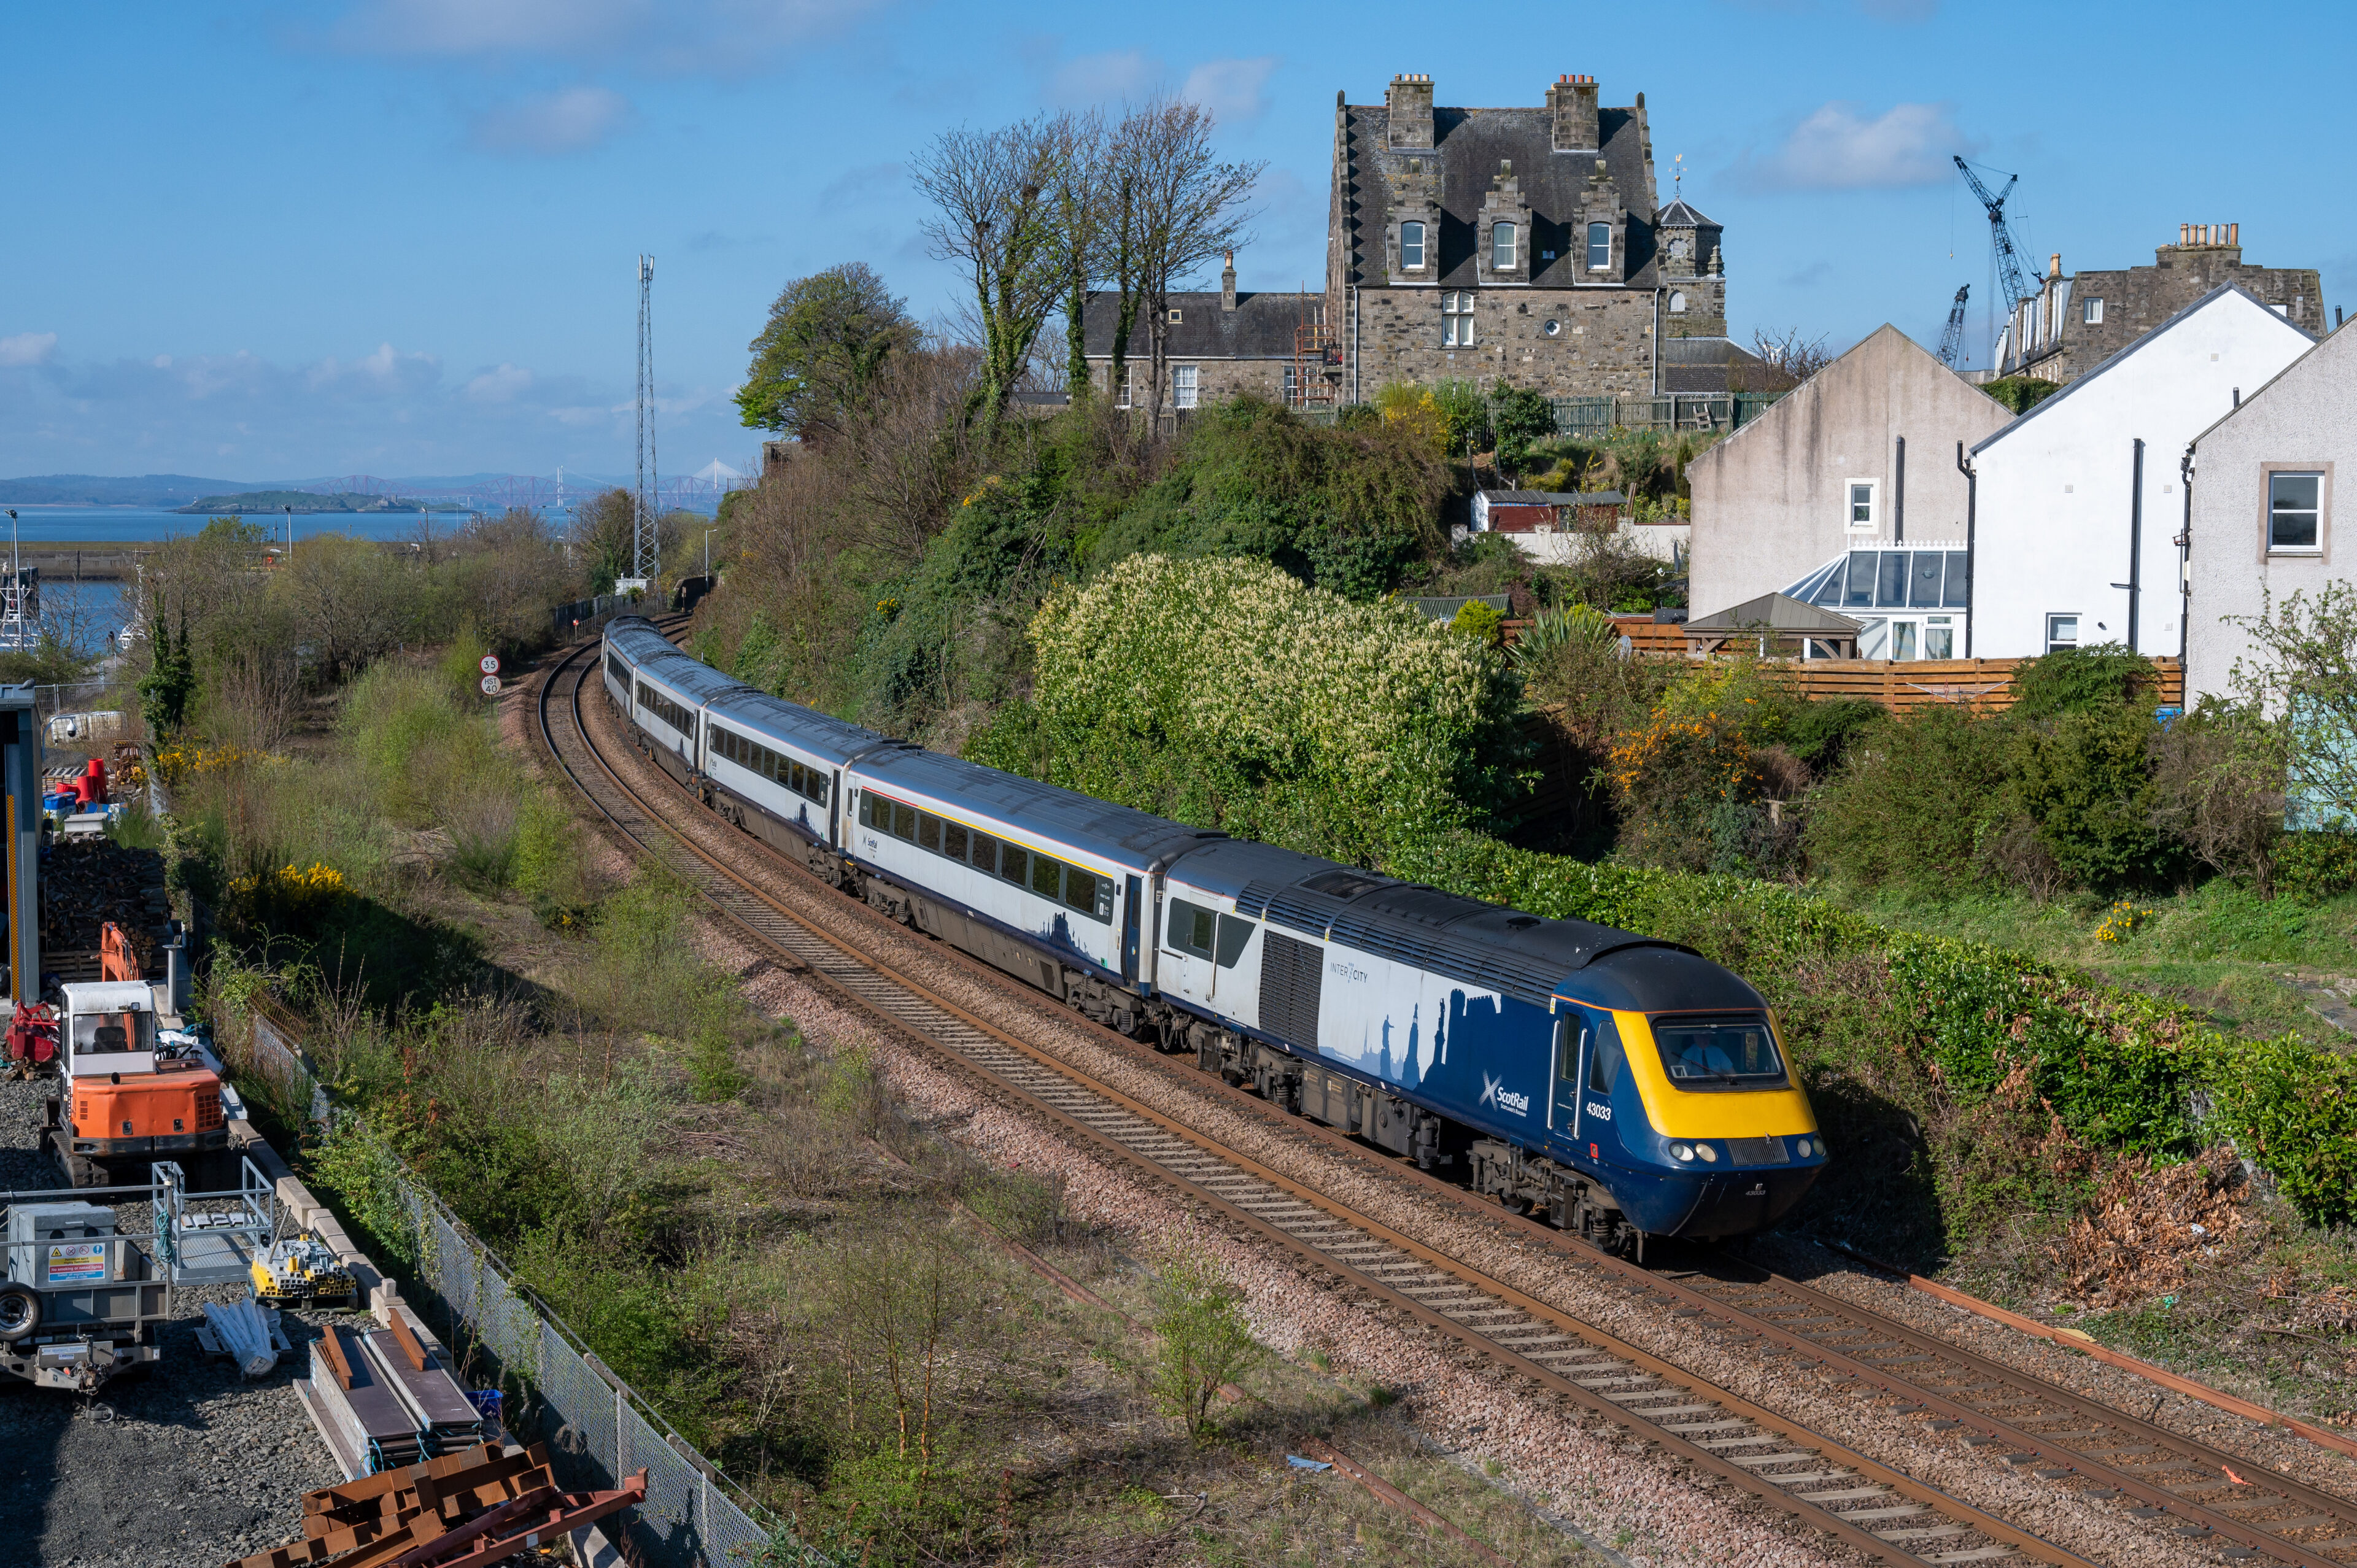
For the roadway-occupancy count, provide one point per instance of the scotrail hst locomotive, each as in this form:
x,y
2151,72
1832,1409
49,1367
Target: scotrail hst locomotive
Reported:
x,y
1622,1087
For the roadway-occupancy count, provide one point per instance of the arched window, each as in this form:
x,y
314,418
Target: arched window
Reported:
x,y
1677,302
1412,246
1600,247
1501,247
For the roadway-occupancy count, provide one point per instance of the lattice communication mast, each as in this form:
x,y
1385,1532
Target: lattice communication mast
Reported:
x,y
646,563
1952,341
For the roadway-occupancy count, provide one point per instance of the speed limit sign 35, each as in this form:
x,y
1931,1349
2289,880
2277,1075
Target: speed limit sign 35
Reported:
x,y
489,664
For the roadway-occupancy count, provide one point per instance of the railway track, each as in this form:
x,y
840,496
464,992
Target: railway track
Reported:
x,y
2068,1439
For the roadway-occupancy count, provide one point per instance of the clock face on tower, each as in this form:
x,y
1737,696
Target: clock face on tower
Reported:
x,y
1682,247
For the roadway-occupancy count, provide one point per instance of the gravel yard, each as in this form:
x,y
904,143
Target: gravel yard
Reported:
x,y
179,1465
1575,1465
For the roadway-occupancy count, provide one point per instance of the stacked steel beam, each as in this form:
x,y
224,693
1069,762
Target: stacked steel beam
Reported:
x,y
463,1510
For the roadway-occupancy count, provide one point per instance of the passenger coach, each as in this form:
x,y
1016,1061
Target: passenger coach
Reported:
x,y
1621,1086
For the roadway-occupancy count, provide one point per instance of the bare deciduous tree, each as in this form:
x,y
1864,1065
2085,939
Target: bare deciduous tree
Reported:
x,y
997,217
1185,208
1784,361
1085,175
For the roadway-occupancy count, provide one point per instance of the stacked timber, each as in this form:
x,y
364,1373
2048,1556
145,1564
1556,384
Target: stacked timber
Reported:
x,y
88,882
478,1506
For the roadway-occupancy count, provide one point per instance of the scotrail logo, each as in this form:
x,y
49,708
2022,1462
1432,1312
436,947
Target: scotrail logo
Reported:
x,y
1493,1092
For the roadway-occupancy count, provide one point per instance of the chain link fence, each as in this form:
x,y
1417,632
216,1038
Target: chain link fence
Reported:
x,y
597,1427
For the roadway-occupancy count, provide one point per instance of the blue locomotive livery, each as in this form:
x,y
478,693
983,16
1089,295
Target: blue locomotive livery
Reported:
x,y
1620,1085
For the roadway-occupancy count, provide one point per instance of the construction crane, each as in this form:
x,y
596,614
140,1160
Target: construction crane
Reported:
x,y
2008,266
1952,341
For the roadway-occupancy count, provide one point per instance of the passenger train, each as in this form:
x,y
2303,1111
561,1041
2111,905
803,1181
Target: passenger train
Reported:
x,y
1620,1085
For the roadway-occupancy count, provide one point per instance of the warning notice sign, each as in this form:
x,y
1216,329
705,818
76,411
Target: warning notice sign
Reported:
x,y
77,1262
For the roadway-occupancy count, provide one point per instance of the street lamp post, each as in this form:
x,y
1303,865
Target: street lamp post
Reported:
x,y
707,549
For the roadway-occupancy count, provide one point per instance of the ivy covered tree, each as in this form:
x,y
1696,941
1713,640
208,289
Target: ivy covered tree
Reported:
x,y
828,338
170,683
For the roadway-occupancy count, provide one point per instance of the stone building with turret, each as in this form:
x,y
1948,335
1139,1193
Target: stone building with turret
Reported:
x,y
1522,243
1528,243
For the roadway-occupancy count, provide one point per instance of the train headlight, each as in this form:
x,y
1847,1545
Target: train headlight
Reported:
x,y
1682,1151
1708,1153
1803,1147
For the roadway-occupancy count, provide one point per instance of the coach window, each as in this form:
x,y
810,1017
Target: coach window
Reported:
x,y
929,832
904,821
1047,877
953,840
986,852
817,786
1015,863
1080,889
1193,930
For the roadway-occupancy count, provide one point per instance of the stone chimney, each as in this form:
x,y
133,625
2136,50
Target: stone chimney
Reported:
x,y
1409,99
2054,266
1228,283
1571,102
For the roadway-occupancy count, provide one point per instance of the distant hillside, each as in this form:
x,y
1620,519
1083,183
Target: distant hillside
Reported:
x,y
306,503
103,490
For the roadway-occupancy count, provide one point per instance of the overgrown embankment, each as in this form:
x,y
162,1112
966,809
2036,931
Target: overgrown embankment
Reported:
x,y
1964,1085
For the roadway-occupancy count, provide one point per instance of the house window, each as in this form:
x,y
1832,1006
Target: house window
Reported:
x,y
1412,247
1677,302
1939,637
1501,247
1600,247
1292,390
1456,320
2294,512
1182,386
2062,631
2092,313
1862,513
1175,315
1128,390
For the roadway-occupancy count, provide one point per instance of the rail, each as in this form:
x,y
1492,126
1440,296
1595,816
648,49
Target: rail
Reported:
x,y
1871,1506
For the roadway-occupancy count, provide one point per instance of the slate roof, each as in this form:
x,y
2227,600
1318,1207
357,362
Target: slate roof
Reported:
x,y
1682,213
1259,328
1701,364
1470,143
1776,612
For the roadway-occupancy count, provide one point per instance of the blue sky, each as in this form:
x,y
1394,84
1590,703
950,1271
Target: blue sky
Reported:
x,y
397,237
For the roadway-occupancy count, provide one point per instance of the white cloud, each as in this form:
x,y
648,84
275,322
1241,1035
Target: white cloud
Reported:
x,y
1837,148
27,347
571,121
502,385
1236,90
1104,77
715,38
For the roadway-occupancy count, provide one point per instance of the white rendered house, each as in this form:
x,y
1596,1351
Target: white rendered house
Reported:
x,y
2079,504
2263,507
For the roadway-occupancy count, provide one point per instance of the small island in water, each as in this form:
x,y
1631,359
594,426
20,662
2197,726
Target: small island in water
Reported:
x,y
304,503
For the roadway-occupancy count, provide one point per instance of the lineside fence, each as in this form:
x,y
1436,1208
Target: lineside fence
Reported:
x,y
598,1428
1592,416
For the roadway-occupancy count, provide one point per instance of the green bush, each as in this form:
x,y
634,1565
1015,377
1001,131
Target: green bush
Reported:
x,y
2085,777
2315,867
2102,676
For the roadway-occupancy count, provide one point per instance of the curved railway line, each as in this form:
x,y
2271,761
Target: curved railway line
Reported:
x,y
2022,1421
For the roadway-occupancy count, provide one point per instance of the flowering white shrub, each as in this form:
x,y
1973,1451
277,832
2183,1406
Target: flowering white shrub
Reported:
x,y
1394,720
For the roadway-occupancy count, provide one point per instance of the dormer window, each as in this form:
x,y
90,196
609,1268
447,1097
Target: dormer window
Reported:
x,y
1412,247
1175,315
1600,247
1501,247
